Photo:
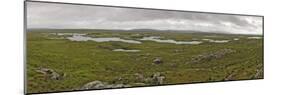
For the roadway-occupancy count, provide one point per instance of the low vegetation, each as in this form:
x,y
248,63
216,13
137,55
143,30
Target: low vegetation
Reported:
x,y
58,64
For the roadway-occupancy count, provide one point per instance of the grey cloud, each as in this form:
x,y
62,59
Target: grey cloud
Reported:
x,y
50,15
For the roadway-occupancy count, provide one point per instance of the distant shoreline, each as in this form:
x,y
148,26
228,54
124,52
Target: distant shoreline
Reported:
x,y
132,30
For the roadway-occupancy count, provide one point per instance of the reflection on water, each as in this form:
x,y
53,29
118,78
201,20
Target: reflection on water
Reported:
x,y
156,39
216,41
123,50
68,34
254,37
236,39
84,38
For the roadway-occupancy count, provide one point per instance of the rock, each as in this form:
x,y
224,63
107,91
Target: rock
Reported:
x,y
55,76
139,84
157,61
94,85
155,79
117,86
158,78
49,73
101,85
117,80
139,77
259,74
229,76
157,74
210,56
148,80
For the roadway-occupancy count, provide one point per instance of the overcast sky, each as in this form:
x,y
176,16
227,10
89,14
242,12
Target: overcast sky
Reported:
x,y
61,16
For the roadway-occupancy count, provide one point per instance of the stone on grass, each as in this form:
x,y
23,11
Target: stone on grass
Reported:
x,y
93,85
210,56
50,73
158,78
101,85
157,61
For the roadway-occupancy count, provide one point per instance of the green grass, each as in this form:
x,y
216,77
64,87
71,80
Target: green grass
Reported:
x,y
87,61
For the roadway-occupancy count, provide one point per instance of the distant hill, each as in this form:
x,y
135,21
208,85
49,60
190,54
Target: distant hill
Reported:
x,y
131,30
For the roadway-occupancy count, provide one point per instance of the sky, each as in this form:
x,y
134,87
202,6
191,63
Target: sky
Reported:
x,y
68,16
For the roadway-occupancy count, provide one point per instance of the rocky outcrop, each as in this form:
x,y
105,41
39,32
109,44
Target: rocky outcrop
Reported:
x,y
101,85
139,84
117,86
50,73
210,56
139,76
155,79
93,85
158,78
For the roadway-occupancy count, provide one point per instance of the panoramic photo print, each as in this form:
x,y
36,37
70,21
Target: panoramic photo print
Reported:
x,y
73,47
